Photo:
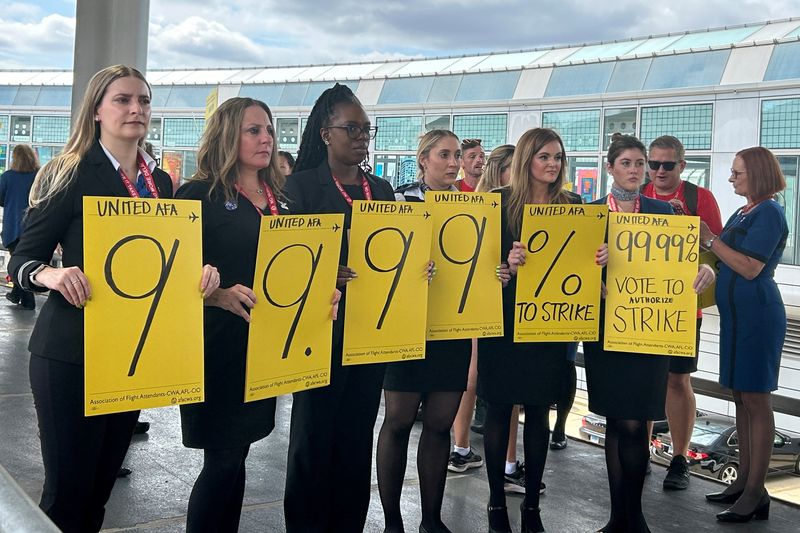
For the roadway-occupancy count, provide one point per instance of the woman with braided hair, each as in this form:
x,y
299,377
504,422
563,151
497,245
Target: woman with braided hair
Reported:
x,y
330,445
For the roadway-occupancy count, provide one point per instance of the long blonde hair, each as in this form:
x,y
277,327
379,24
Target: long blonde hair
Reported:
x,y
496,163
426,144
59,172
218,155
531,142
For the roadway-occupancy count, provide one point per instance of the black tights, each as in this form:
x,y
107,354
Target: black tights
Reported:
x,y
215,504
565,400
439,411
627,455
536,432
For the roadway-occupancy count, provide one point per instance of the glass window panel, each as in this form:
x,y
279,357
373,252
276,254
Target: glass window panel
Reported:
x,y
4,123
27,96
189,163
193,97
398,133
698,170
583,176
780,123
437,122
55,97
46,153
687,70
288,134
172,163
444,88
789,199
7,94
784,63
355,71
317,88
598,51
492,129
795,33
427,66
579,79
466,63
3,157
618,120
689,123
488,86
628,75
579,130
405,90
154,132
656,44
293,94
183,131
303,122
50,129
21,129
517,59
712,38
160,96
270,94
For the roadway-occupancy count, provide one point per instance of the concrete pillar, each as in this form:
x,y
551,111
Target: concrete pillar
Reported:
x,y
107,32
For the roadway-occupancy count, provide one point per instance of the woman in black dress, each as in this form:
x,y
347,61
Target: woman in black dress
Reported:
x,y
238,182
512,373
330,445
628,388
81,454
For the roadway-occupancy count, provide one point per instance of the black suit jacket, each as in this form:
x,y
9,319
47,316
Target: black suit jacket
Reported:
x,y
58,333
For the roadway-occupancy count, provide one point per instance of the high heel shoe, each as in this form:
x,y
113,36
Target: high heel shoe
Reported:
x,y
761,512
500,514
721,497
531,519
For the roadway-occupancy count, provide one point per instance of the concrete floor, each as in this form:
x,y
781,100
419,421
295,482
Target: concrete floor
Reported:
x,y
153,499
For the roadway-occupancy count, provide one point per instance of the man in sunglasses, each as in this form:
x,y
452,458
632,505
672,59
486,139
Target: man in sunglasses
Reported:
x,y
666,162
473,158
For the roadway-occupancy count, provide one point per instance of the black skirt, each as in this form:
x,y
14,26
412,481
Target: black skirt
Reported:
x,y
444,369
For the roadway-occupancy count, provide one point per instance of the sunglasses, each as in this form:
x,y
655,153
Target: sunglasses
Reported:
x,y
668,165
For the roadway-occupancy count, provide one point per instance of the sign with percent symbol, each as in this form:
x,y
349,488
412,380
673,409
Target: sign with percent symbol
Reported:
x,y
558,288
289,347
651,306
465,299
390,247
143,326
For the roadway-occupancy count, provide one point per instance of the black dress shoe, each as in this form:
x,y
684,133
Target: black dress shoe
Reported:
x,y
12,297
498,516
141,428
721,497
531,519
558,444
124,472
761,512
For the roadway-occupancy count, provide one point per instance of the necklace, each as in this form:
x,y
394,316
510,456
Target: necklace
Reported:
x,y
621,195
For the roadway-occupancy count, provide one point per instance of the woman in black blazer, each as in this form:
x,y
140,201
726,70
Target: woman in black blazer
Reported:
x,y
330,445
82,454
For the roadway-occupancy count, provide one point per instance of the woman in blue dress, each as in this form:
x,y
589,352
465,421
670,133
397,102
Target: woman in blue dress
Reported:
x,y
752,323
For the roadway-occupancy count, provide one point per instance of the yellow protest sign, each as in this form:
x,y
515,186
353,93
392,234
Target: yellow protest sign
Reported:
x,y
143,326
651,306
558,287
390,246
465,299
289,347
708,297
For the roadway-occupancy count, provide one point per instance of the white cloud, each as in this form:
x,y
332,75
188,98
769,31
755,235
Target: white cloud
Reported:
x,y
47,42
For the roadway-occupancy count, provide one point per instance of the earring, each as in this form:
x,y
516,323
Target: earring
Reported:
x,y
327,142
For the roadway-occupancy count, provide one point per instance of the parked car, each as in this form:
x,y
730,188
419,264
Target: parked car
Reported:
x,y
593,427
713,450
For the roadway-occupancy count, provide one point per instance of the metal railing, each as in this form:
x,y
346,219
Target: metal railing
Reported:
x,y
18,513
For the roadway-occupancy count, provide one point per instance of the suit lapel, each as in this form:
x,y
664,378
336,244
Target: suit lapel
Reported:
x,y
107,179
329,190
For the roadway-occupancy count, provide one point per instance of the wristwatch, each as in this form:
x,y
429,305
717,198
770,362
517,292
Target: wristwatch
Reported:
x,y
33,273
709,242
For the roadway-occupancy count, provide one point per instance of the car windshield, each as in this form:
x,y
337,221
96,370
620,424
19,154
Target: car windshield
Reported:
x,y
706,434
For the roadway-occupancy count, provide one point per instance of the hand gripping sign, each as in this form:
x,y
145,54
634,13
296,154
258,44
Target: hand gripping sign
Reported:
x,y
465,300
144,324
651,306
289,347
390,245
558,287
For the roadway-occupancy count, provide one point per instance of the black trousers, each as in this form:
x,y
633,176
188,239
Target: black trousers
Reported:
x,y
81,454
328,478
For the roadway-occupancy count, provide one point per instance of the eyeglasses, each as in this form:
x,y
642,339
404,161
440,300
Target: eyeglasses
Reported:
x,y
354,132
668,165
737,173
470,143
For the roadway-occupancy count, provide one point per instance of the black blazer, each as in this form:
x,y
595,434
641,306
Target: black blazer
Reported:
x,y
648,205
58,333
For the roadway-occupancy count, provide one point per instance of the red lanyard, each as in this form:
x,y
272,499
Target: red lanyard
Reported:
x,y
268,194
364,187
146,174
614,208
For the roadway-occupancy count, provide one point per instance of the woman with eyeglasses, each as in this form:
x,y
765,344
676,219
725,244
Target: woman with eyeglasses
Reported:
x,y
330,445
752,323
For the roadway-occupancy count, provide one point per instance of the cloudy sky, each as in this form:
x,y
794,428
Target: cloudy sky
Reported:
x,y
213,33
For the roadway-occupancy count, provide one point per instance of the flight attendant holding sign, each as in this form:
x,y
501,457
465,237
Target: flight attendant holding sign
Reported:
x,y
103,157
629,388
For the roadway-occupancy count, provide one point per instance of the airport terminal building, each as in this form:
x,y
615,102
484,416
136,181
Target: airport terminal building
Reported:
x,y
718,90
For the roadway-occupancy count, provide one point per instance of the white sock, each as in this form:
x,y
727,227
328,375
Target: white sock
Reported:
x,y
461,451
511,467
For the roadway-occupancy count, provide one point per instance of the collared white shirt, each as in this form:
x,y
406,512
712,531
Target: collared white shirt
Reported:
x,y
151,163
